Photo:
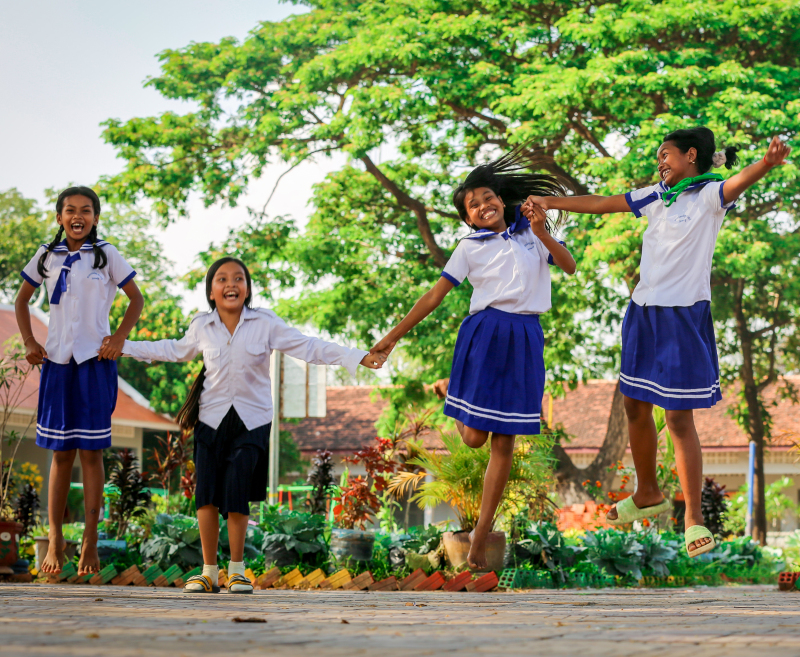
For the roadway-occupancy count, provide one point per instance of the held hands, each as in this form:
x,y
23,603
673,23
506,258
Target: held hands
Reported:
x,y
111,348
374,360
777,152
34,352
535,214
541,201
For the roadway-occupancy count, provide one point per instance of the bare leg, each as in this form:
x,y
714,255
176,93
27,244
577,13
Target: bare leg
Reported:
x,y
689,460
208,519
237,530
93,479
60,476
494,483
644,449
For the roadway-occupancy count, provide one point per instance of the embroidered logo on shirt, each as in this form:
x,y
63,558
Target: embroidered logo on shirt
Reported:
x,y
94,276
680,219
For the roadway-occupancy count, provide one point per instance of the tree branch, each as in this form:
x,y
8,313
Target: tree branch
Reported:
x,y
587,134
418,208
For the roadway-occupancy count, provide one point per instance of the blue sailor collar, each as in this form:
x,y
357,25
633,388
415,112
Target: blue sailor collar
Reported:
x,y
664,193
62,247
521,222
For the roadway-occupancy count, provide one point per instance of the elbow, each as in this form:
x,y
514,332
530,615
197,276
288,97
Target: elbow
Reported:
x,y
571,269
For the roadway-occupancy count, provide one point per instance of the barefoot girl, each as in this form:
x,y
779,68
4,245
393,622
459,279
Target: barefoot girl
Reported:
x,y
669,354
77,389
497,379
230,406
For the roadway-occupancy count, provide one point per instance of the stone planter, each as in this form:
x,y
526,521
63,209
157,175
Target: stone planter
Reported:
x,y
43,544
352,544
9,546
456,549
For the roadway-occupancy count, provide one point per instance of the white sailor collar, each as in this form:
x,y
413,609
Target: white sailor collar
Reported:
x,y
62,247
247,313
521,222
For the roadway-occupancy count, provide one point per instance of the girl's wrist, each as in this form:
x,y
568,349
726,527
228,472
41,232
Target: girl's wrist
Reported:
x,y
769,164
25,341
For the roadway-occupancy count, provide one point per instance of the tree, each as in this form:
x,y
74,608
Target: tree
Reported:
x,y
440,85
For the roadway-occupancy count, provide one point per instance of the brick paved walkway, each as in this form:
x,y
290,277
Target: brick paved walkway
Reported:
x,y
114,621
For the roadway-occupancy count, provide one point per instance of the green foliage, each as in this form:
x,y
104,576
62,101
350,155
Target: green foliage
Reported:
x,y
543,546
714,505
175,540
290,459
321,478
23,229
293,537
129,497
619,553
777,503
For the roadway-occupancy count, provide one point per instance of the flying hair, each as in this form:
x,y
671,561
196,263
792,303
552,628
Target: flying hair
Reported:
x,y
511,177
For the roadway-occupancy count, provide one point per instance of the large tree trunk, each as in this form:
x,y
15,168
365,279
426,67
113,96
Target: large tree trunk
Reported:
x,y
755,420
569,478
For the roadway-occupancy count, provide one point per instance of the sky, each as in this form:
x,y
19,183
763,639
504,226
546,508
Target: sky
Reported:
x,y
68,65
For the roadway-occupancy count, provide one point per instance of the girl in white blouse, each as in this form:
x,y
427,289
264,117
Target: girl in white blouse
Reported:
x,y
230,406
497,379
669,353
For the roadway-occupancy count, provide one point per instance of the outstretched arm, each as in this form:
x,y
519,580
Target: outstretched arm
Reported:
x,y
592,204
735,185
113,344
427,303
562,258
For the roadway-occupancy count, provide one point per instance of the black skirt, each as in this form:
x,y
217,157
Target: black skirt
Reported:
x,y
231,464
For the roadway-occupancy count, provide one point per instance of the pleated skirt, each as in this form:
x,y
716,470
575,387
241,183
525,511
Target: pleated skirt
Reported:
x,y
669,356
497,379
231,464
75,404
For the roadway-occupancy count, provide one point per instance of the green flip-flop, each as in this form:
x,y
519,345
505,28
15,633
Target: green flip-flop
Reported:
x,y
627,511
694,533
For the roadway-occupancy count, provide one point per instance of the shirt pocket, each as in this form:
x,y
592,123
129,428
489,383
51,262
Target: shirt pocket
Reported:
x,y
256,353
211,354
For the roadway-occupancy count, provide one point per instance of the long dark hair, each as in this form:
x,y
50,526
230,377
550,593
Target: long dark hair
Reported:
x,y
100,258
189,414
511,178
702,140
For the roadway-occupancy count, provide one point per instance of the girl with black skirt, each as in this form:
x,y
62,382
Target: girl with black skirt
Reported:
x,y
230,406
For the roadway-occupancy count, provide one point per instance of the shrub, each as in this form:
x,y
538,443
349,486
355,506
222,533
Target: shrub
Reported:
x,y
129,497
714,505
293,537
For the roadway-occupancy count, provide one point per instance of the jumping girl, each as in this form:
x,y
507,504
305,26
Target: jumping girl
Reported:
x,y
230,406
669,354
497,379
78,384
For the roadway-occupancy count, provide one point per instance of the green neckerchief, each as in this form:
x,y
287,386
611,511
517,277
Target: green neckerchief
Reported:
x,y
670,196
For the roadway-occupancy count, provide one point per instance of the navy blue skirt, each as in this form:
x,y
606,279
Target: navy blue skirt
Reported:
x,y
497,380
669,356
75,404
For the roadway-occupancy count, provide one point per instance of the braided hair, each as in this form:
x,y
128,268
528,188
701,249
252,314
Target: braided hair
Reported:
x,y
100,258
189,414
511,179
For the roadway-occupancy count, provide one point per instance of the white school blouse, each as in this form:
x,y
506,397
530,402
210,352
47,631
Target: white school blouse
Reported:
x,y
237,365
508,271
79,321
678,244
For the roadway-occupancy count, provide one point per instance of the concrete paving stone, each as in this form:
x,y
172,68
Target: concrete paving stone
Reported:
x,y
64,620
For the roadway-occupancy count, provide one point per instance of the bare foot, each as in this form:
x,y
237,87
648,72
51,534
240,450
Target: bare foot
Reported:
x,y
53,562
440,388
641,501
476,559
89,561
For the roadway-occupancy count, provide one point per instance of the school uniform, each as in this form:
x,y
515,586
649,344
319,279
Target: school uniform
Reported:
x,y
497,378
77,392
669,354
231,439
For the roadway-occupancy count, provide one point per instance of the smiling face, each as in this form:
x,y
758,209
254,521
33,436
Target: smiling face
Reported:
x,y
229,287
77,217
673,165
484,209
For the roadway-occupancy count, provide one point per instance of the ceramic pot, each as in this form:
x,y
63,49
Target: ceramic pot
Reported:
x,y
456,549
9,548
353,544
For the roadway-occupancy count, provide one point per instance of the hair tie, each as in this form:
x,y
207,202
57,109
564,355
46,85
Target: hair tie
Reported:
x,y
718,159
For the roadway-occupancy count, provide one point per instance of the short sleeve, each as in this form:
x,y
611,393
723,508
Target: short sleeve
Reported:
x,y
545,252
713,198
457,267
31,271
639,199
118,268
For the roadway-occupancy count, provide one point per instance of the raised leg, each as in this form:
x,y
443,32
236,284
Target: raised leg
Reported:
x,y
60,476
94,477
494,483
689,462
644,450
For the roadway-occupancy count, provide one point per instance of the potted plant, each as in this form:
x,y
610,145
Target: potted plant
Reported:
x,y
352,509
455,477
14,370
